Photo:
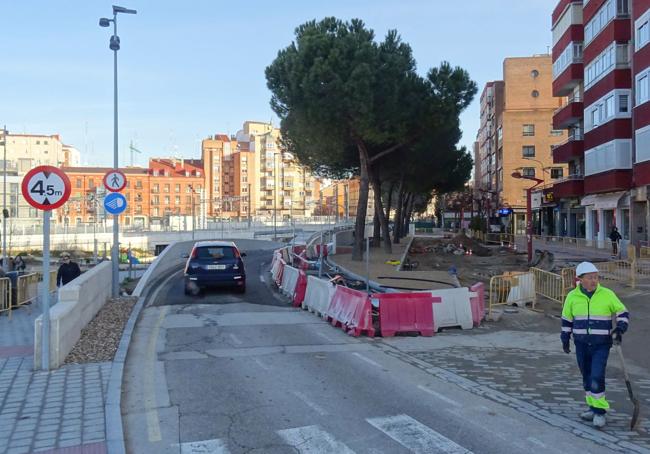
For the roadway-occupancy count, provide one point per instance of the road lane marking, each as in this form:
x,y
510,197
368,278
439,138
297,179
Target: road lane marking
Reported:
x,y
311,404
440,396
215,446
415,436
313,440
368,360
326,337
235,339
150,402
537,442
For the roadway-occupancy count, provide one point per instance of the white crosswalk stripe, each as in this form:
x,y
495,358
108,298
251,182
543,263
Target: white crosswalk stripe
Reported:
x,y
313,440
215,446
415,436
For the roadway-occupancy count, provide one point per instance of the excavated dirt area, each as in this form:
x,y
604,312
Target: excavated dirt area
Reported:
x,y
445,254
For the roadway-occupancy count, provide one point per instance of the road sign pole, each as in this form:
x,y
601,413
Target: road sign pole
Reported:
x,y
45,327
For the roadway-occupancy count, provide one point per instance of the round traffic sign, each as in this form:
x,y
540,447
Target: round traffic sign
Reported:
x,y
46,187
115,203
115,180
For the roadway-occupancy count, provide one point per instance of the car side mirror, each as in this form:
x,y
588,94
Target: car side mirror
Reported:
x,y
185,255
243,254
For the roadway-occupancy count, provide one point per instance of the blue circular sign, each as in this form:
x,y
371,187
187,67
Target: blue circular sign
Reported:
x,y
115,203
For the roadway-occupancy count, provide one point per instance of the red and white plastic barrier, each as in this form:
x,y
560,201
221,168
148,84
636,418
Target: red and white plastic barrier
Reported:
x,y
477,302
301,289
351,310
289,280
406,312
318,295
455,309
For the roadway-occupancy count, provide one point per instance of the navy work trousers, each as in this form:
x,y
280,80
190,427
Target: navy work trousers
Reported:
x,y
592,360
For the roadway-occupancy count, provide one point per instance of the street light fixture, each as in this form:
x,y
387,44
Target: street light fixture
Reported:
x,y
115,46
529,211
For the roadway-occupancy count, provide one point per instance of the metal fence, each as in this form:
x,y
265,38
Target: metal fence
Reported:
x,y
619,271
549,285
512,288
5,296
27,289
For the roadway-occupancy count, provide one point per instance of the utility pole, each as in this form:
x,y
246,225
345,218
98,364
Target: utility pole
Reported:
x,y
249,206
5,266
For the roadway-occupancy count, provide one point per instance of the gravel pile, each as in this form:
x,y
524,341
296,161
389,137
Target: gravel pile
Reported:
x,y
100,339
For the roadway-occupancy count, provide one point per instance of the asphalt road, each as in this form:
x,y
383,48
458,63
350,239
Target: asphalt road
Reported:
x,y
230,373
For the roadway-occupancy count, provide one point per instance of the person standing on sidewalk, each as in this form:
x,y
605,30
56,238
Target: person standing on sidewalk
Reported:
x,y
68,270
587,314
615,237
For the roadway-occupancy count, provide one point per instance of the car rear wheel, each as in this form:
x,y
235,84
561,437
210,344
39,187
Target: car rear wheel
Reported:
x,y
241,289
192,289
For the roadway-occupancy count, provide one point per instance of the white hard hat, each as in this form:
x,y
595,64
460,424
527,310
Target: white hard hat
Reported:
x,y
586,267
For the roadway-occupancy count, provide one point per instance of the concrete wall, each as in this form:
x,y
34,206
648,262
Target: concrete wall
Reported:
x,y
79,302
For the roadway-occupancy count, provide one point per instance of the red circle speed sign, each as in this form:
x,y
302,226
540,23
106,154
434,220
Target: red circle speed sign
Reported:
x,y
46,187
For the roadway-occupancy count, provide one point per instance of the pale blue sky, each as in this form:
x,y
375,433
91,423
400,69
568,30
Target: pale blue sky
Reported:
x,y
189,69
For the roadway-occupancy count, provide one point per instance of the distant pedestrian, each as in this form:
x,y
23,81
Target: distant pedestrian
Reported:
x,y
68,270
19,263
615,237
587,314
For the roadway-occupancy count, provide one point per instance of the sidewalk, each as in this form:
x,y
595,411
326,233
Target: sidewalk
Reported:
x,y
566,254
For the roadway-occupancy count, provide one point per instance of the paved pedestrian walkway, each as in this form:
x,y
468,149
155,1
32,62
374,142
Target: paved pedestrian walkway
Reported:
x,y
55,412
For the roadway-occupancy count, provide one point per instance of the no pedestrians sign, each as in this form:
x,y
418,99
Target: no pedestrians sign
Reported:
x,y
114,180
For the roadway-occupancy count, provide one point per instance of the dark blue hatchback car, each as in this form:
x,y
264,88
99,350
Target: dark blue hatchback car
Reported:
x,y
214,264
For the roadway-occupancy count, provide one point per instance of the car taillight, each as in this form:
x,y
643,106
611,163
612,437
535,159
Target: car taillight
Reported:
x,y
195,253
237,254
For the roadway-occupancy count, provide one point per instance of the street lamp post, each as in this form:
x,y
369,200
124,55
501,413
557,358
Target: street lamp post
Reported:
x,y
115,46
5,265
529,211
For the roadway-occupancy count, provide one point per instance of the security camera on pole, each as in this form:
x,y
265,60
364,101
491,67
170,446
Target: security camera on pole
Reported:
x,y
46,188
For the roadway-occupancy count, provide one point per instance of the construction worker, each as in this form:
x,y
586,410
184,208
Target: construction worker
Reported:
x,y
587,313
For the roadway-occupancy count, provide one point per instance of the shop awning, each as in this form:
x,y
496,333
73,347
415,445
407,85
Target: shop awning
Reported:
x,y
603,201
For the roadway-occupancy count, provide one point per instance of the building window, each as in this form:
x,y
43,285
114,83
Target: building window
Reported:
x,y
166,188
79,183
138,197
557,173
138,184
91,183
156,211
607,12
528,151
177,188
528,172
623,103
156,188
642,87
167,200
188,199
138,209
535,94
529,130
177,200
642,34
556,132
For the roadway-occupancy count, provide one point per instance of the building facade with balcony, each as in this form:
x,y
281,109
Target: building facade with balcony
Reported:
x,y
603,111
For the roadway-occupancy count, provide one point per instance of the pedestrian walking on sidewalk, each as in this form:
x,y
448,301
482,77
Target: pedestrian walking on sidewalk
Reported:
x,y
587,314
615,237
68,270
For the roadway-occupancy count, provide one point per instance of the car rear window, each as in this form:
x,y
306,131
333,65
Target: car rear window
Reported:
x,y
215,252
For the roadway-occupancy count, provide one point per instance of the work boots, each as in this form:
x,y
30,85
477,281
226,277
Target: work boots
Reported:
x,y
599,421
587,415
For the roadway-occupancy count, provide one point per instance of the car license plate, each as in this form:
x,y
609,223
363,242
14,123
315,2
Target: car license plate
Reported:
x,y
216,267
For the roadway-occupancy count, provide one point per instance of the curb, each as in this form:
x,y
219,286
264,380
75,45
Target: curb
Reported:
x,y
406,252
115,443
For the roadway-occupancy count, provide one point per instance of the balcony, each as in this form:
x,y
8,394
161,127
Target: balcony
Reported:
x,y
569,78
569,114
570,149
572,186
613,180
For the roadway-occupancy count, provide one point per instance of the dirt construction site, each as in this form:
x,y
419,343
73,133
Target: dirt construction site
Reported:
x,y
471,260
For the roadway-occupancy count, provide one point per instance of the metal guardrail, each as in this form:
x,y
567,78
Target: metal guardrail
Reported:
x,y
5,296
